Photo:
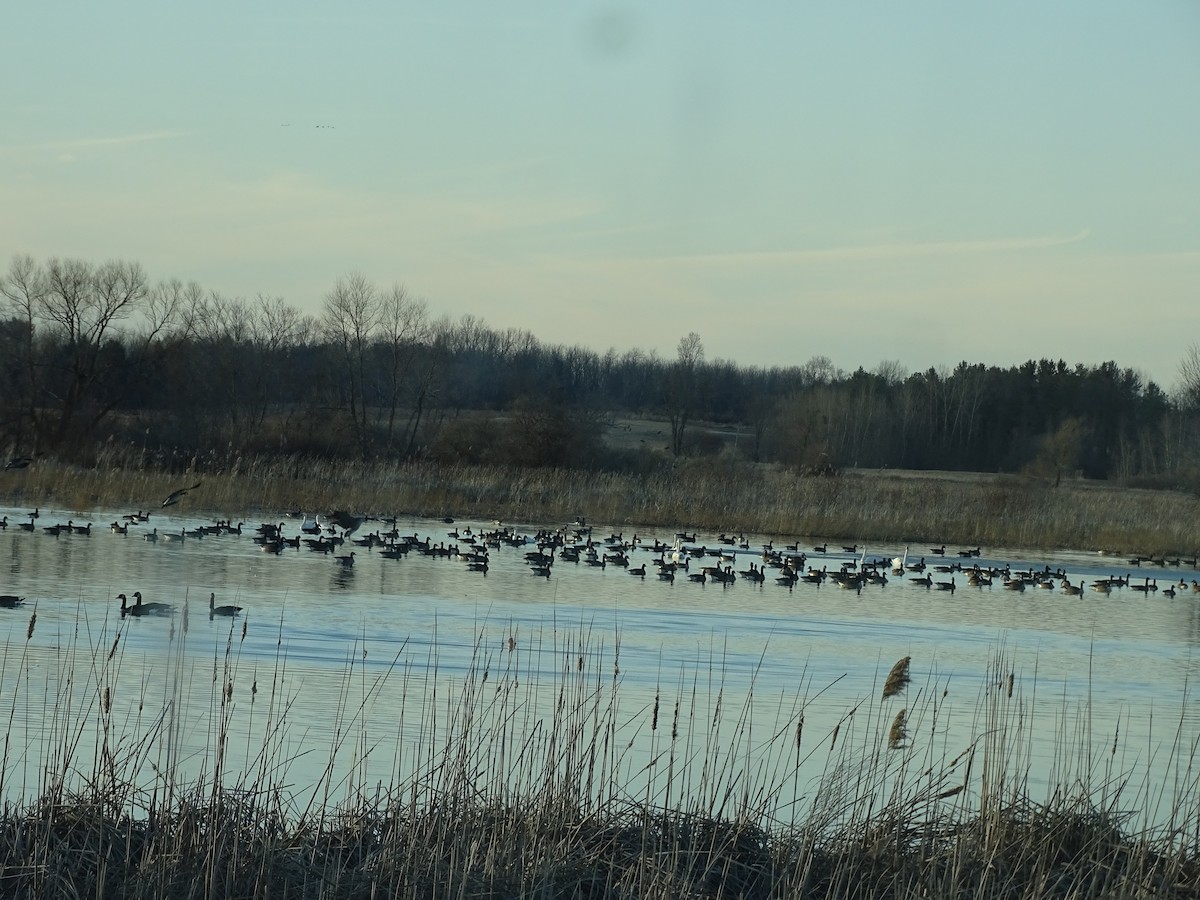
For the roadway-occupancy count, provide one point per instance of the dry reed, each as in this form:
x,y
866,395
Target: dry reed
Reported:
x,y
720,495
517,780
898,678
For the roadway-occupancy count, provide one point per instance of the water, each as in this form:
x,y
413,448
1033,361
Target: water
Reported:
x,y
364,665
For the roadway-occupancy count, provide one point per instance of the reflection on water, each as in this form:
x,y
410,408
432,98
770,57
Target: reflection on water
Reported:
x,y
334,662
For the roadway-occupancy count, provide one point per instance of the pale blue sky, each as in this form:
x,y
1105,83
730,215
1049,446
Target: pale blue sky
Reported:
x,y
925,182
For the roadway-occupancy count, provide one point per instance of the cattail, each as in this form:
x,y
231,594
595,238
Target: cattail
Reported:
x,y
897,679
32,623
229,691
833,740
654,717
244,622
950,792
107,700
799,730
512,643
116,641
254,688
1010,684
899,730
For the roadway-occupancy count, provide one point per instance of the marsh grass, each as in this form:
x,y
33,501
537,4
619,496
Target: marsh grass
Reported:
x,y
718,495
528,773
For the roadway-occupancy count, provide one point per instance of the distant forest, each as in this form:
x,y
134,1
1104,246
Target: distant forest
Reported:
x,y
98,364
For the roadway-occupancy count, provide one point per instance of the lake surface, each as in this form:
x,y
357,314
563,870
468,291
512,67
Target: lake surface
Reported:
x,y
347,675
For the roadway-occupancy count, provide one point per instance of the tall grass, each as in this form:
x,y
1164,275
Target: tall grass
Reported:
x,y
531,771
713,495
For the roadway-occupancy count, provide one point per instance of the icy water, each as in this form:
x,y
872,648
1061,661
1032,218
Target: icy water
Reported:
x,y
335,679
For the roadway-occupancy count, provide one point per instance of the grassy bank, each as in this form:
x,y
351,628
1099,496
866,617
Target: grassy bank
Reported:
x,y
864,507
506,795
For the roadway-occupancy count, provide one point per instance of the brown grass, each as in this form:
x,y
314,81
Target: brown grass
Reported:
x,y
513,797
713,495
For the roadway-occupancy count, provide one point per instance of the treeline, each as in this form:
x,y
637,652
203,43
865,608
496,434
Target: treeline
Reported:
x,y
96,356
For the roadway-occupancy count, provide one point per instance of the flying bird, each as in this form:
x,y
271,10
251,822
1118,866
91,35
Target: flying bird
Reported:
x,y
18,462
347,522
175,496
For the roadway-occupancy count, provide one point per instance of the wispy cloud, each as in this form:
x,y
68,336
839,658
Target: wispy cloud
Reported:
x,y
893,250
111,141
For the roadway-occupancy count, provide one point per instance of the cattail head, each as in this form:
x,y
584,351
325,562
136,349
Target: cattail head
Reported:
x,y
1010,684
897,679
32,623
899,730
107,700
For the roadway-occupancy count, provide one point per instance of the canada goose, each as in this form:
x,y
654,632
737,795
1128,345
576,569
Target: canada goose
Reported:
x,y
142,609
346,561
853,549
824,548
1072,590
177,495
347,522
925,581
1169,592
214,610
10,601
151,537
1014,584
118,528
946,586
938,551
640,571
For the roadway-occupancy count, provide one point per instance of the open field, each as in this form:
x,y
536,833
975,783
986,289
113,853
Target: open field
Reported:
x,y
712,495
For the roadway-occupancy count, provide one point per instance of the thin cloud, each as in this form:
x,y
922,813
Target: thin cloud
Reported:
x,y
885,251
112,141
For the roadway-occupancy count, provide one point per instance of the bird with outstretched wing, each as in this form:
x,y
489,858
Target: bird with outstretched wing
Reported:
x,y
175,496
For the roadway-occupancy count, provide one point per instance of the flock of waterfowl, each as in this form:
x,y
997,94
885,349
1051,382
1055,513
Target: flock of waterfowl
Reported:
x,y
727,560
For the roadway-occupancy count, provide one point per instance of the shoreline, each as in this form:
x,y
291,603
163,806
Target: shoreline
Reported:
x,y
877,506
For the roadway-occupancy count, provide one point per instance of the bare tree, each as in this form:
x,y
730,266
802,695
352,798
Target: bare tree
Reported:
x,y
351,313
403,327
1189,378
682,387
76,350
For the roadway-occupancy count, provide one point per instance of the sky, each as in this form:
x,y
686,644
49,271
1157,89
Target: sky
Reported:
x,y
924,183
